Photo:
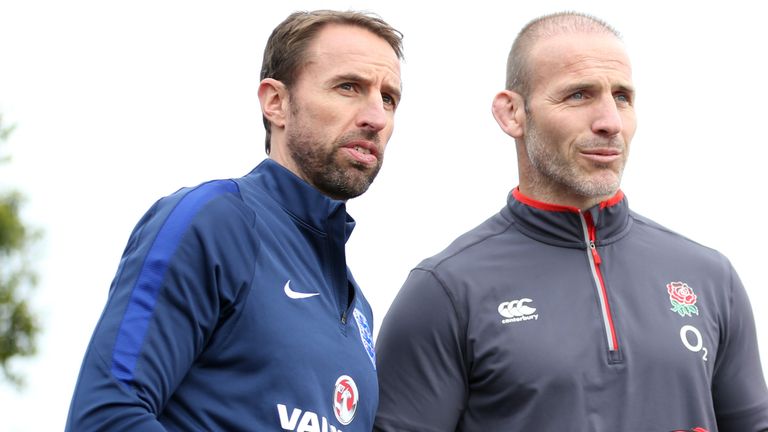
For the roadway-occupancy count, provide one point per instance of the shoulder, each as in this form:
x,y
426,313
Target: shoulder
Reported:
x,y
214,199
679,259
674,242
469,247
208,216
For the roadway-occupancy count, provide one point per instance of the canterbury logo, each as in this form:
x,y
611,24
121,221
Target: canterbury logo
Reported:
x,y
517,310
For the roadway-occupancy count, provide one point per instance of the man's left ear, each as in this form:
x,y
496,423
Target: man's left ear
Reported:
x,y
509,111
273,97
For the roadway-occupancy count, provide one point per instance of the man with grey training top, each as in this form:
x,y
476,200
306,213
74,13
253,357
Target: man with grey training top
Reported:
x,y
567,310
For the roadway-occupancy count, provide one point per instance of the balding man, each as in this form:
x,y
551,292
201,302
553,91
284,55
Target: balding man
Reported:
x,y
567,311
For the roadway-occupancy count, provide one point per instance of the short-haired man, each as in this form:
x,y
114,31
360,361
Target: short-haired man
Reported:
x,y
566,311
233,308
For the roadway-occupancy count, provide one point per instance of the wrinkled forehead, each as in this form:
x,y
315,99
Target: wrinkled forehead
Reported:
x,y
565,48
354,45
580,54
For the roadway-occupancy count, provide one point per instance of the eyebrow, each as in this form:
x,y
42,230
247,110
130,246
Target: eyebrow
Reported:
x,y
625,89
392,90
585,85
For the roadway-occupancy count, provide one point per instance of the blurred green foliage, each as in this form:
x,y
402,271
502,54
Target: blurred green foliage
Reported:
x,y
18,324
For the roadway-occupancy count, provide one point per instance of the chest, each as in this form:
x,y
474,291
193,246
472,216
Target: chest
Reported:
x,y
295,350
565,326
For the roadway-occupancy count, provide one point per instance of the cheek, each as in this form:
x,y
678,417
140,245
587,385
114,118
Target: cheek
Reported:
x,y
321,111
386,133
559,132
629,126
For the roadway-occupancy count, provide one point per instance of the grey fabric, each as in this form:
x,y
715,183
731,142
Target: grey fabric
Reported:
x,y
503,331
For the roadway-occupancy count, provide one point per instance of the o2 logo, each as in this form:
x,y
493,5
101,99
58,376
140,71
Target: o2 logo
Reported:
x,y
692,339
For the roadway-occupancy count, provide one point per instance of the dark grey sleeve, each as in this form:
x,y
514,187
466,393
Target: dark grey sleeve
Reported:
x,y
738,388
421,368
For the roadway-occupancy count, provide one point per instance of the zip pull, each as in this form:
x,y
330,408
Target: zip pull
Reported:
x,y
595,255
592,234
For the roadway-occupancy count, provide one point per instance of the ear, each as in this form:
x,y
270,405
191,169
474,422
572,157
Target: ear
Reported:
x,y
273,97
509,112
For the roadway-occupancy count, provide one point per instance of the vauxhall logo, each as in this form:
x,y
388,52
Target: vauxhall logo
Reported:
x,y
517,310
345,399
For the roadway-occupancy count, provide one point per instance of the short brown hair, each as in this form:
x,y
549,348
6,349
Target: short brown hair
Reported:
x,y
285,52
518,67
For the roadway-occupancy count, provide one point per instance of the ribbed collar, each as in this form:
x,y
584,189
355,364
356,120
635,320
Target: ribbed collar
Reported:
x,y
562,225
300,199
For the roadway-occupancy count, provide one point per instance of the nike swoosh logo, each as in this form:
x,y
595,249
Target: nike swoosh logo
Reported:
x,y
296,295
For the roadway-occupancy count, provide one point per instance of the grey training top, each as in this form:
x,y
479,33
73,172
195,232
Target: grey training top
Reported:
x,y
547,318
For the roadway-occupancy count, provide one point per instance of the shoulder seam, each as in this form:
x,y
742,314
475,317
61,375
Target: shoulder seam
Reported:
x,y
437,264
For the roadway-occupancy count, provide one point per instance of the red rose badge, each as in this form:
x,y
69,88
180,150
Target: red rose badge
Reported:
x,y
682,298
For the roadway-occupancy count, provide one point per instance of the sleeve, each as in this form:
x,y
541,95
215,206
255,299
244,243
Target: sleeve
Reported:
x,y
738,388
420,362
163,306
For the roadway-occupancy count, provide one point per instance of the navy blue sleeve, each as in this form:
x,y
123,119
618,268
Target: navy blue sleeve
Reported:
x,y
738,389
422,374
163,305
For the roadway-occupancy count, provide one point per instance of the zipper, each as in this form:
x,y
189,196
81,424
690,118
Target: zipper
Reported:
x,y
350,303
594,262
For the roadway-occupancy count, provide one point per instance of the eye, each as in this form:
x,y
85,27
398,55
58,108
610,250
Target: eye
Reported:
x,y
623,98
347,86
388,100
577,96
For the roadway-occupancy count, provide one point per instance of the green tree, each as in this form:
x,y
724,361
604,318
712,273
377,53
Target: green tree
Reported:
x,y
18,325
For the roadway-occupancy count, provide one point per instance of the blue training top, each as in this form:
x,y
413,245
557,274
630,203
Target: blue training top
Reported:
x,y
231,310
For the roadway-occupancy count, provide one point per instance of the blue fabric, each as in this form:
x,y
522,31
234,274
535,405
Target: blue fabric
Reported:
x,y
201,330
133,329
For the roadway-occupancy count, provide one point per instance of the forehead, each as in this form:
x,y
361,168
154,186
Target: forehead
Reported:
x,y
340,49
579,56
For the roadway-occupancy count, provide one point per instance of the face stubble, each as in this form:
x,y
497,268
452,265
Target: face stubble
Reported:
x,y
557,171
323,164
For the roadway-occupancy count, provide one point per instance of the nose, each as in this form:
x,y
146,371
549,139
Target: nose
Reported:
x,y
607,121
372,114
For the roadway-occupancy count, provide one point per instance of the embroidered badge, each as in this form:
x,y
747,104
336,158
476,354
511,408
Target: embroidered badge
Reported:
x,y
365,335
682,298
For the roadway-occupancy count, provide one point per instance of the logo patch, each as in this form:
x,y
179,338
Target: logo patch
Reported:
x,y
517,310
365,335
345,399
683,299
295,294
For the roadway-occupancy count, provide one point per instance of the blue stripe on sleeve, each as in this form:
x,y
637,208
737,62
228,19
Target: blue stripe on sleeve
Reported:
x,y
138,314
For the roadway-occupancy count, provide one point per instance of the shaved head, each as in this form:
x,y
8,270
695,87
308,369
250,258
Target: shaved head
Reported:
x,y
518,67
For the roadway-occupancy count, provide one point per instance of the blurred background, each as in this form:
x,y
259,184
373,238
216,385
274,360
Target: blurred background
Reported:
x,y
115,104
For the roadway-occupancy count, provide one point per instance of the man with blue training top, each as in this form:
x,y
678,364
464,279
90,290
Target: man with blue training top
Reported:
x,y
233,308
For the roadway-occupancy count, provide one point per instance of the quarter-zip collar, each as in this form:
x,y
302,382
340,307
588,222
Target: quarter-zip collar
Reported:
x,y
325,218
561,225
302,200
588,229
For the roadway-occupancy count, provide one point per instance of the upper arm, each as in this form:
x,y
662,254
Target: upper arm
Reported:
x,y
163,305
738,388
420,362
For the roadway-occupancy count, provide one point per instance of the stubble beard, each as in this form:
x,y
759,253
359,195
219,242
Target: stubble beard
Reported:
x,y
556,172
325,167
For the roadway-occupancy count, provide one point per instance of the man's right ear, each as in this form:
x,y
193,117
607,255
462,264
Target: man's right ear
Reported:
x,y
273,97
509,112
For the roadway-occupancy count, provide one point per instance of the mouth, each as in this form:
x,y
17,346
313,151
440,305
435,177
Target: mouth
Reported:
x,y
361,151
601,155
